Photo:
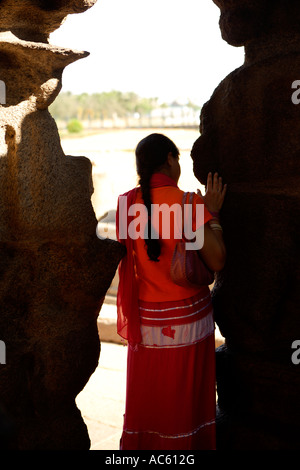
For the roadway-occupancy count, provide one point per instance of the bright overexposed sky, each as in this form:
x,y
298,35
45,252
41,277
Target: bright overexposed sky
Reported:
x,y
169,49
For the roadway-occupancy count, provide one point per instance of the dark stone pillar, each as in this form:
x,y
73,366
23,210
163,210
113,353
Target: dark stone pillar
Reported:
x,y
54,271
250,134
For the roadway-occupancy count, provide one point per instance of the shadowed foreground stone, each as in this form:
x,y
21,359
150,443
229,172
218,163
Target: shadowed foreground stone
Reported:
x,y
250,135
54,271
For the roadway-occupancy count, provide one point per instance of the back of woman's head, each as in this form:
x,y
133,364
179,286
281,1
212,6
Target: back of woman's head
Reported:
x,y
151,155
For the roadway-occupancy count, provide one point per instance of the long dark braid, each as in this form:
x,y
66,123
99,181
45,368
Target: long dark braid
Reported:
x,y
151,154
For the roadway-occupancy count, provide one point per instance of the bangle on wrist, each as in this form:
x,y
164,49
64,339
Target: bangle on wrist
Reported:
x,y
215,226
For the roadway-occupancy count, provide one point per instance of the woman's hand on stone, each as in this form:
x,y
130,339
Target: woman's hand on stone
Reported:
x,y
215,193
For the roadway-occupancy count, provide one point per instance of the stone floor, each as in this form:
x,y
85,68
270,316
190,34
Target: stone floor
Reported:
x,y
102,401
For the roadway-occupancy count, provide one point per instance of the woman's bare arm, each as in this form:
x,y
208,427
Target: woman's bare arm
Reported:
x,y
213,251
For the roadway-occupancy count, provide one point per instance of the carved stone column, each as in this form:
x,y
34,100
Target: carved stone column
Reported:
x,y
250,134
54,271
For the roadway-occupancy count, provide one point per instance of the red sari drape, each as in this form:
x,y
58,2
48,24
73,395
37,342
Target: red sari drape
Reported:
x,y
170,395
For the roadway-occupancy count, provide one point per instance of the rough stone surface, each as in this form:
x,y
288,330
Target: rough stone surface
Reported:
x,y
54,271
250,135
34,20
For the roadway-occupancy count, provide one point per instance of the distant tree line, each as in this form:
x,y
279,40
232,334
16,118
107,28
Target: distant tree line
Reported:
x,y
105,105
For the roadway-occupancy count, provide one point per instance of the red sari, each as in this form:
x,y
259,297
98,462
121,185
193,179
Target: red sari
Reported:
x,y
170,395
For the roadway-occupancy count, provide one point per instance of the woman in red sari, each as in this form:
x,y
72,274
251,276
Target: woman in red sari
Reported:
x,y
170,395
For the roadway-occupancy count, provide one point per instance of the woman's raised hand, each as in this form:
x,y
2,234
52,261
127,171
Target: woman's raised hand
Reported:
x,y
215,193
